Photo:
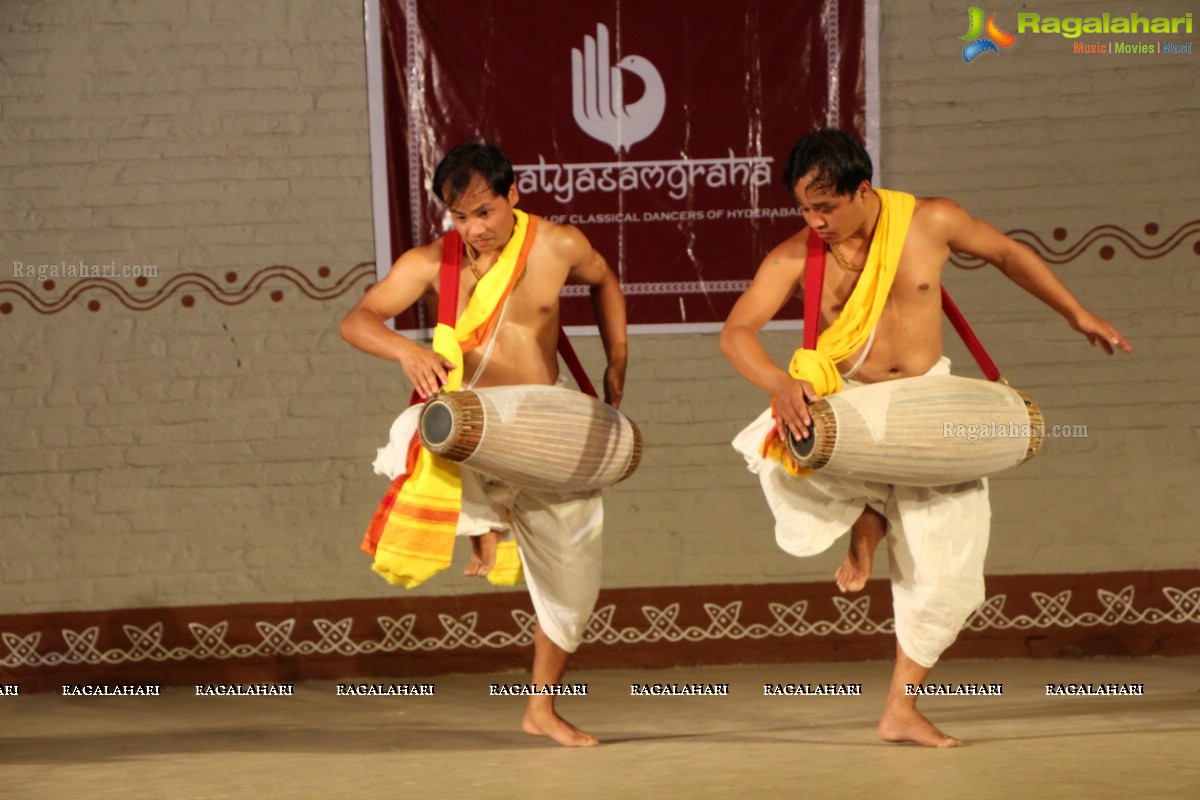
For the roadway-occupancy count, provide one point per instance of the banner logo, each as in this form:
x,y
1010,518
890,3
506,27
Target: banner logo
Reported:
x,y
983,38
598,94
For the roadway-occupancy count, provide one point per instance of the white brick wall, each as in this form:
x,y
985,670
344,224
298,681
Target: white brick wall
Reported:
x,y
219,454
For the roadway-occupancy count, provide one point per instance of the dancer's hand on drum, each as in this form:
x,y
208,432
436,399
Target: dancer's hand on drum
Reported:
x,y
791,399
427,370
1100,332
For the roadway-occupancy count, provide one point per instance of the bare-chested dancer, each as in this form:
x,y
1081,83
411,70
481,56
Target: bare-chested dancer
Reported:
x,y
559,530
829,174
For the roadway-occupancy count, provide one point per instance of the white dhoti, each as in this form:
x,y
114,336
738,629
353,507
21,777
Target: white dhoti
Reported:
x,y
557,534
937,536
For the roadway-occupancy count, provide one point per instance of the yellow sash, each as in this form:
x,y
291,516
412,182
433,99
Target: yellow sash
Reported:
x,y
850,331
416,523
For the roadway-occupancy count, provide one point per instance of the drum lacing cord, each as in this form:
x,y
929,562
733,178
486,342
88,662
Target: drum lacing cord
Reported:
x,y
487,352
866,351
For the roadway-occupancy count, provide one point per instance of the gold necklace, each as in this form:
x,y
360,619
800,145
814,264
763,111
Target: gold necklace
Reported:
x,y
479,275
837,253
474,262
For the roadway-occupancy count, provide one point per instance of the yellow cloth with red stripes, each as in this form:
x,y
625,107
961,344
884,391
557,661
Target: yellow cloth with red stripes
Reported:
x,y
850,331
412,532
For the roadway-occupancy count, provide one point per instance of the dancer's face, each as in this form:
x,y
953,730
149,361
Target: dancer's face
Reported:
x,y
483,218
835,217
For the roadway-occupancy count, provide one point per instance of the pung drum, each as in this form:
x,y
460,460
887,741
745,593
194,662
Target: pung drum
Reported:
x,y
928,431
537,437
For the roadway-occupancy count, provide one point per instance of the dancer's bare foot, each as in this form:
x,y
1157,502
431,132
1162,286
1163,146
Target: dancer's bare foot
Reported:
x,y
865,536
483,554
909,725
549,664
545,722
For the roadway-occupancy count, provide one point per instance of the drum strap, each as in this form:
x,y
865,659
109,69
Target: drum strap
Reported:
x,y
969,338
573,364
814,269
814,273
448,287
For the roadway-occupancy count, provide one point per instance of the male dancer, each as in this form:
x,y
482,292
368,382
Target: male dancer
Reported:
x,y
881,300
513,268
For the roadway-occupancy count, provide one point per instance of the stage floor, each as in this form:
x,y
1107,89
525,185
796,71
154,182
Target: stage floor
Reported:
x,y
463,742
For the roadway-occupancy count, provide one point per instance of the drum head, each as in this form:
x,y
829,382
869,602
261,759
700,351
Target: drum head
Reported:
x,y
437,422
801,448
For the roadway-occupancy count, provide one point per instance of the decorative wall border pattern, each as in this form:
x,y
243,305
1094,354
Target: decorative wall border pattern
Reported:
x,y
1098,234
1117,609
276,278
663,626
186,285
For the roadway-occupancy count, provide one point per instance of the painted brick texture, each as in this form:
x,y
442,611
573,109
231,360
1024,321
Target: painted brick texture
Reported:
x,y
212,453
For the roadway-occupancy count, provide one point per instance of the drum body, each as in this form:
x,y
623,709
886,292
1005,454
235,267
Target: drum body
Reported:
x,y
536,437
928,431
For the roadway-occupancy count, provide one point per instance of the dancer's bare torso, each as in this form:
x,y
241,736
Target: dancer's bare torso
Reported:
x,y
908,338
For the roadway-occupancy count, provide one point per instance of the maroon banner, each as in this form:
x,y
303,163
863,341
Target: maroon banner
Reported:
x,y
658,128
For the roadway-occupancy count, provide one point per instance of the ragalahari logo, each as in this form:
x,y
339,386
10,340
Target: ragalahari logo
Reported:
x,y
983,38
598,94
